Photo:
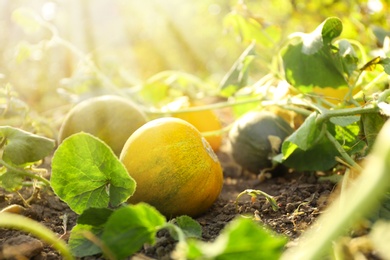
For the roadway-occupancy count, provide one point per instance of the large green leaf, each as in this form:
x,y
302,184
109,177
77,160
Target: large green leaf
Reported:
x,y
128,228
86,173
312,61
21,147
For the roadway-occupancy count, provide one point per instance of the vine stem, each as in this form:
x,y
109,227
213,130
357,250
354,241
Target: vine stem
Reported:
x,y
341,150
19,222
25,173
289,105
327,114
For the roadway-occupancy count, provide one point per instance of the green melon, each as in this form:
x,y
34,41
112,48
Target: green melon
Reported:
x,y
110,118
250,139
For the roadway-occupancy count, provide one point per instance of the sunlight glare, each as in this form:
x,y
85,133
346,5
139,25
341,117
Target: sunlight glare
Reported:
x,y
49,11
375,6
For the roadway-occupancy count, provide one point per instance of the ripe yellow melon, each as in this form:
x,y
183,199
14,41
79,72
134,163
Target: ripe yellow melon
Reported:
x,y
204,121
111,118
174,167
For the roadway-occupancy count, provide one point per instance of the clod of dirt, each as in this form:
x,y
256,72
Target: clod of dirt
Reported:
x,y
20,247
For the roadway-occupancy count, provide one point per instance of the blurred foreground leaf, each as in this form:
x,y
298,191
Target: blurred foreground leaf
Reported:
x,y
240,239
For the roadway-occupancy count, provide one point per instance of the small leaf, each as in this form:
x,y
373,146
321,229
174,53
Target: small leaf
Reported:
x,y
331,28
348,56
349,138
237,76
308,149
90,223
372,124
86,173
190,227
22,147
128,228
242,238
11,180
304,137
386,65
322,36
79,243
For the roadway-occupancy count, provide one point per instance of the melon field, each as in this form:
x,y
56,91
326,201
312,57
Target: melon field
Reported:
x,y
194,130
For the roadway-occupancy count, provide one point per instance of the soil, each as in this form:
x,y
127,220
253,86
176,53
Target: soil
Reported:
x,y
301,197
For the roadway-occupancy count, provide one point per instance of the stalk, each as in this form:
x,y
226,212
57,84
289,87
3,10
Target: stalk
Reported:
x,y
362,196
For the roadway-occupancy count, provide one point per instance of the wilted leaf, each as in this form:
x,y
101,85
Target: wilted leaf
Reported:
x,y
22,147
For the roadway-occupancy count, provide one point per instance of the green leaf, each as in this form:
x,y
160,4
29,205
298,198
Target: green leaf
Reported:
x,y
128,228
308,149
386,65
189,226
331,29
79,243
319,157
322,36
348,56
86,173
90,222
372,124
11,180
237,76
344,120
304,137
242,238
349,137
311,60
305,71
22,147
94,216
